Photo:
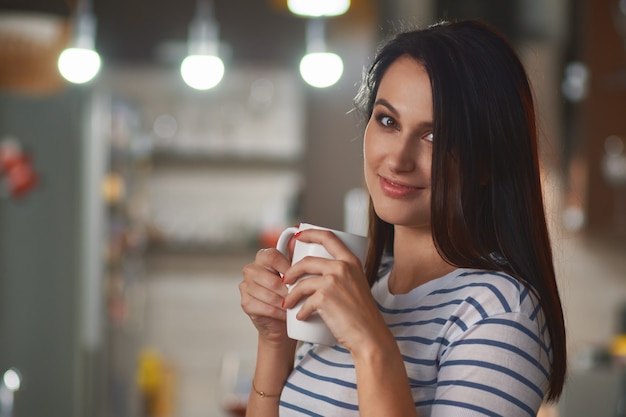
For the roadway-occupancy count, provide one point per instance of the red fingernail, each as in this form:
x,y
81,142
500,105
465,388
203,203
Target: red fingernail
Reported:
x,y
297,234
283,303
282,279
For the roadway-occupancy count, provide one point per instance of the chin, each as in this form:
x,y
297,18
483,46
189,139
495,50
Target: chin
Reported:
x,y
403,217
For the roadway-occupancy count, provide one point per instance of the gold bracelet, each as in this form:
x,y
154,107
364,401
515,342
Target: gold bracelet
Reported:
x,y
262,394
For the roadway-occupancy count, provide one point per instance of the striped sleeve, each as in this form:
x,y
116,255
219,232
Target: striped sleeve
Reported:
x,y
497,367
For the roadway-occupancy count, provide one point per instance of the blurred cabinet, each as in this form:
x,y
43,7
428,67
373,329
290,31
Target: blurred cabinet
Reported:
x,y
49,308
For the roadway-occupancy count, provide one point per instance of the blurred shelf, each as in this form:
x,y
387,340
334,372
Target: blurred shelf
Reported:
x,y
181,159
221,264
200,249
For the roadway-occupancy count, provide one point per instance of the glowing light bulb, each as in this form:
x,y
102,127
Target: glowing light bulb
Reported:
x,y
12,379
202,72
317,8
321,69
79,65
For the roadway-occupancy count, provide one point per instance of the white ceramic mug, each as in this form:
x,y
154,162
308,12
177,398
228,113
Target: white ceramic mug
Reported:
x,y
314,329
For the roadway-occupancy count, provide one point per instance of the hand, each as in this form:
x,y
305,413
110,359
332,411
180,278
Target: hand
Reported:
x,y
337,290
262,294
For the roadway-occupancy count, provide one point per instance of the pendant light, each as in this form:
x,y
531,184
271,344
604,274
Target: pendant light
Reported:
x,y
318,8
318,67
79,63
203,69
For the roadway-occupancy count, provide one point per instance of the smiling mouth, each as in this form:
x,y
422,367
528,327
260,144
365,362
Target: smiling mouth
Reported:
x,y
395,184
395,189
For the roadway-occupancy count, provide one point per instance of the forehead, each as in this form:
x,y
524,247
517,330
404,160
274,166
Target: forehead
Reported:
x,y
406,85
406,69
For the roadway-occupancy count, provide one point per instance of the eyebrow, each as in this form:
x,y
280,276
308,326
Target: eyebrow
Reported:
x,y
385,103
389,106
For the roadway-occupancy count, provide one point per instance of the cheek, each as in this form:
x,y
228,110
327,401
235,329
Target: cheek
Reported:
x,y
366,136
368,162
371,152
428,167
371,162
425,162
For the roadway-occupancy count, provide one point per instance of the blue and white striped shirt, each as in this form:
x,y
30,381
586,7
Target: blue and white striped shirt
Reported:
x,y
474,343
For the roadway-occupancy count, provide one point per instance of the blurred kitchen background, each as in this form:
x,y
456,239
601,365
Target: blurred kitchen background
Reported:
x,y
130,202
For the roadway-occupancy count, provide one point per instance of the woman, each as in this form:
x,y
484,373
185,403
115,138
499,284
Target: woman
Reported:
x,y
457,312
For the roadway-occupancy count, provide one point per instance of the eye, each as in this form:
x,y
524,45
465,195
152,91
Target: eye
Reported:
x,y
386,121
429,136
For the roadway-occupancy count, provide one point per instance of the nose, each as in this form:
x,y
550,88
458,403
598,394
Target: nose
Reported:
x,y
402,156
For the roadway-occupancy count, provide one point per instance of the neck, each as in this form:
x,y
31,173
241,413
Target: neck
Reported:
x,y
416,260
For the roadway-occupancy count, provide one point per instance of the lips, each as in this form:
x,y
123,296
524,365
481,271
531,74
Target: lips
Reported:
x,y
398,189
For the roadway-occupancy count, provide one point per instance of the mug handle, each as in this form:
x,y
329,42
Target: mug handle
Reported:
x,y
283,240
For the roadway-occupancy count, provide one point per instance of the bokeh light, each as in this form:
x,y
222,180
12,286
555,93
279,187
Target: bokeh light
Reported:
x,y
202,72
321,69
79,65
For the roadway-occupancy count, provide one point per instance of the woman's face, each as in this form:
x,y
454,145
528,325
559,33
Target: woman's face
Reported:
x,y
398,145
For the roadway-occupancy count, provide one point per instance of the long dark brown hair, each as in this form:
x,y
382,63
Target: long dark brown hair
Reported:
x,y
487,203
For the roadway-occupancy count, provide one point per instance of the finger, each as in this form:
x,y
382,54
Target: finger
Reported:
x,y
307,308
257,274
291,246
264,294
304,288
316,292
333,245
311,265
259,311
273,260
307,266
257,301
265,269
